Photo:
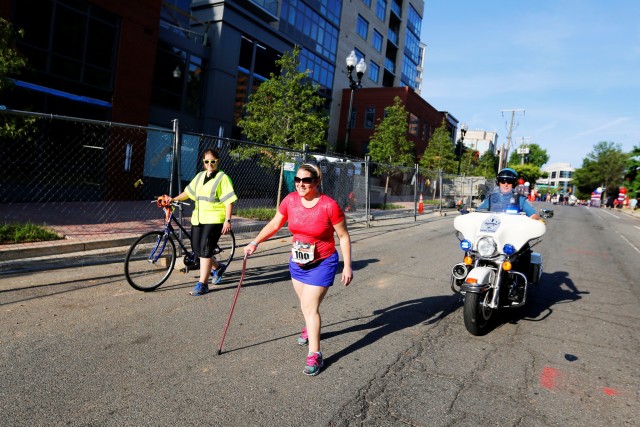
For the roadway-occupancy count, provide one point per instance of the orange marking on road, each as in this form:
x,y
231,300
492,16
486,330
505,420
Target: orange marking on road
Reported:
x,y
548,377
610,391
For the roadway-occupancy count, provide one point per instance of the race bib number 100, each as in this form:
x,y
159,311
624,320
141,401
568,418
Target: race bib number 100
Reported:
x,y
302,253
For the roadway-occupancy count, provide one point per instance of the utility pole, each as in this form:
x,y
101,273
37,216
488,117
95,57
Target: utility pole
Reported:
x,y
505,153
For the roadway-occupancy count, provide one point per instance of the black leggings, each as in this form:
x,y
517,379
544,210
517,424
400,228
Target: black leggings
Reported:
x,y
204,238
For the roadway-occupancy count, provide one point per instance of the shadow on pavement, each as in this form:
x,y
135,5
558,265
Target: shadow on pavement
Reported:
x,y
394,318
553,288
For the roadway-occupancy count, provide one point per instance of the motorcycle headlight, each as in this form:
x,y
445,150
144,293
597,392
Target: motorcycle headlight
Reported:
x,y
486,246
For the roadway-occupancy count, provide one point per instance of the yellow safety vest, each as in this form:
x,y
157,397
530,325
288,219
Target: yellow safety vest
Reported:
x,y
211,198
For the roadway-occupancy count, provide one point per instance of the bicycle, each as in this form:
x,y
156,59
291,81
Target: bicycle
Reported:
x,y
152,257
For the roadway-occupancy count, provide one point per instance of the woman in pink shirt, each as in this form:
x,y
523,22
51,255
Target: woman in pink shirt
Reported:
x,y
313,219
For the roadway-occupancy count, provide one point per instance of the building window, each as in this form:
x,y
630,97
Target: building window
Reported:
x,y
377,41
566,174
352,122
301,22
414,23
381,9
553,174
71,40
374,72
413,124
359,53
362,27
369,117
367,2
177,80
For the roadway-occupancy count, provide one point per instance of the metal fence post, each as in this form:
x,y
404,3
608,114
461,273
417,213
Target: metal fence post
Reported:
x,y
175,172
415,192
367,190
440,185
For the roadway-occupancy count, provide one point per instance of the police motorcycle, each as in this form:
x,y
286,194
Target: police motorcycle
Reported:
x,y
498,264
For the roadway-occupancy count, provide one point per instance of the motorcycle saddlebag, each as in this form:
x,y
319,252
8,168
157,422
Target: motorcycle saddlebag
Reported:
x,y
536,267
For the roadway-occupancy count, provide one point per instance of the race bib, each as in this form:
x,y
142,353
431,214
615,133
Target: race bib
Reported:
x,y
302,253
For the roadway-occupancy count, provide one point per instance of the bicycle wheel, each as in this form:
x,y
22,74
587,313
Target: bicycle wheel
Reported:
x,y
226,248
150,261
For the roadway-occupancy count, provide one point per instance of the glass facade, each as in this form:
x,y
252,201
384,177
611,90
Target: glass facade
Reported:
x,y
310,28
70,40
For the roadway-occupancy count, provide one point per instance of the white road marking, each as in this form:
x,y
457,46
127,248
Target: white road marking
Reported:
x,y
630,244
637,227
609,213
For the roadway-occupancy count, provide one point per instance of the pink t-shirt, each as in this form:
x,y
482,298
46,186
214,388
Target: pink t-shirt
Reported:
x,y
313,225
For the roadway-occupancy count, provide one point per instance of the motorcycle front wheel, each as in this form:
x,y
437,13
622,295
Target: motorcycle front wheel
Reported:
x,y
477,313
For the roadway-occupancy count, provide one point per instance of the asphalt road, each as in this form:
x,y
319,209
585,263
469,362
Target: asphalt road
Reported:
x,y
80,347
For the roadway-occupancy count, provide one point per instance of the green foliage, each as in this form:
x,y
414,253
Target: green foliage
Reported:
x,y
286,111
389,144
632,177
469,162
259,214
487,165
537,156
29,232
11,61
603,167
529,172
439,154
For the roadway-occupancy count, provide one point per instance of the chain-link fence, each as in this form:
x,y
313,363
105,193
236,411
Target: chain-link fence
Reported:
x,y
94,180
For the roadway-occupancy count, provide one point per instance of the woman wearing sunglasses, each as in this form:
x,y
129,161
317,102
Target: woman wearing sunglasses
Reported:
x,y
313,219
214,196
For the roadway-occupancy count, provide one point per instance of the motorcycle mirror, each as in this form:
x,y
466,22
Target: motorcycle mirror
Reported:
x,y
458,235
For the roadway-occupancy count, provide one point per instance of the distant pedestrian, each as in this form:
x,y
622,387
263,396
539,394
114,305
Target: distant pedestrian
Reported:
x,y
313,219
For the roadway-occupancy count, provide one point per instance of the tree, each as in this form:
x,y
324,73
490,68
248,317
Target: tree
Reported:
x,y
603,167
11,61
439,154
286,111
487,165
11,64
529,172
389,146
632,177
537,156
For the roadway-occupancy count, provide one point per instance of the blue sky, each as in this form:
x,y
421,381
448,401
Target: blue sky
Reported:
x,y
572,65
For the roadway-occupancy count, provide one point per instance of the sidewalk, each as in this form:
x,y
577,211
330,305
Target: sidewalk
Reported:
x,y
88,226
91,226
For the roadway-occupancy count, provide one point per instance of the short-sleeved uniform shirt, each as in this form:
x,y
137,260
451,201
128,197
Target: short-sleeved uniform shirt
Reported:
x,y
313,225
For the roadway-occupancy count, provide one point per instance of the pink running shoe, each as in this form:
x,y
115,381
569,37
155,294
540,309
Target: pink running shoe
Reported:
x,y
303,339
314,364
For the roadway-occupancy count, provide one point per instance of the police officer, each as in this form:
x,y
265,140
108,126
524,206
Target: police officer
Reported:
x,y
503,197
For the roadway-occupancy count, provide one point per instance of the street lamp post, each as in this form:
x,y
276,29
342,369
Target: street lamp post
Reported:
x,y
460,148
360,68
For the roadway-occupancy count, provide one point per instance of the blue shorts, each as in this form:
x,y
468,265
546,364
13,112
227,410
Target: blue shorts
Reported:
x,y
320,273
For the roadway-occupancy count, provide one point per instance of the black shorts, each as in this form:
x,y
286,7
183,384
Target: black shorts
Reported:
x,y
204,238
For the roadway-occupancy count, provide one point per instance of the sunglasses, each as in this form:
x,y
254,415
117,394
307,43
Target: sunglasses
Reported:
x,y
207,161
306,180
506,181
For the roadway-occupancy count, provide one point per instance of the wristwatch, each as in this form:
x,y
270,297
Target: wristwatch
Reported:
x,y
228,220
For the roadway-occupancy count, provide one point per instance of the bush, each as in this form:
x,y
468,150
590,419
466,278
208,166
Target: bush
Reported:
x,y
29,232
